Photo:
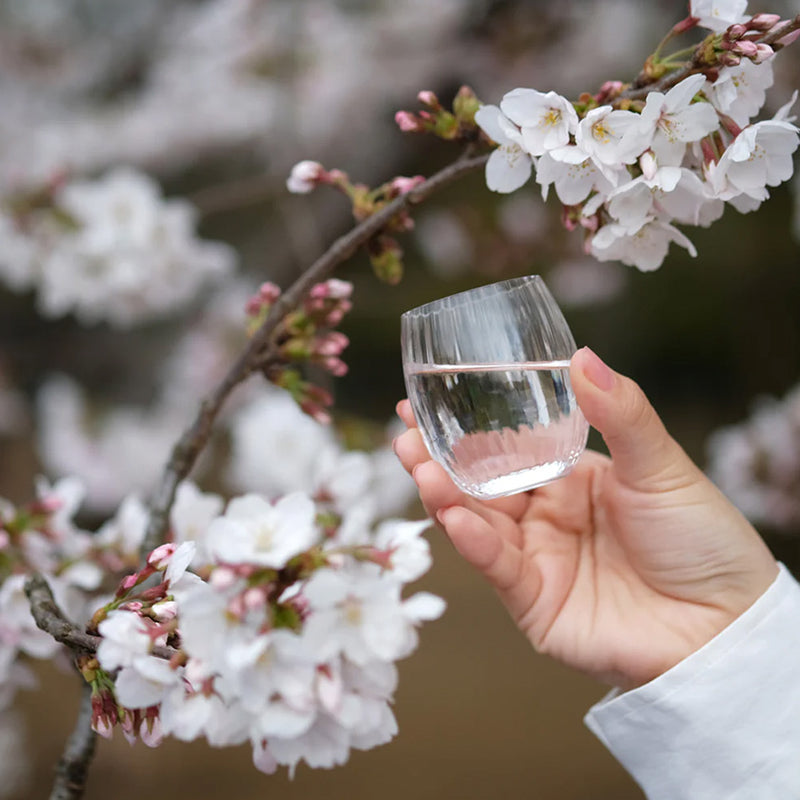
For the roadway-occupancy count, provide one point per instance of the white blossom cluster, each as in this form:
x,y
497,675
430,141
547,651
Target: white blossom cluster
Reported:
x,y
627,176
757,463
289,643
43,538
111,249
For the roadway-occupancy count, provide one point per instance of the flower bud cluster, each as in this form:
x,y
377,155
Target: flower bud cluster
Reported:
x,y
627,171
288,640
384,251
305,336
457,124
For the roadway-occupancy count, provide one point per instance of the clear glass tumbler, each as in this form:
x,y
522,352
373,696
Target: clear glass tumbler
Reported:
x,y
487,374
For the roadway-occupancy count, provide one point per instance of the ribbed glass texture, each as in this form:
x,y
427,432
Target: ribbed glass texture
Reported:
x,y
487,373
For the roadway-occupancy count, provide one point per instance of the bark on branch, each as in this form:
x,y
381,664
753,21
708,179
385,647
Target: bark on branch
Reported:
x,y
73,766
194,438
50,618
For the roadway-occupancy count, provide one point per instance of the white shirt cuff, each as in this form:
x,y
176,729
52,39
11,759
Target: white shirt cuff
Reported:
x,y
724,723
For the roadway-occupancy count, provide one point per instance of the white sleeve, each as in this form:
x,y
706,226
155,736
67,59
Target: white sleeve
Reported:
x,y
724,724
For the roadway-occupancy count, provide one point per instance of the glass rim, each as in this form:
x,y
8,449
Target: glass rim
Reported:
x,y
509,283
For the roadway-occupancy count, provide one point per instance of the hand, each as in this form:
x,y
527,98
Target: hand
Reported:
x,y
621,568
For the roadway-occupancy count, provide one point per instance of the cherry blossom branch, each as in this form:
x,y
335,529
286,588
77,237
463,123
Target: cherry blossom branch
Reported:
x,y
50,618
73,766
642,86
256,356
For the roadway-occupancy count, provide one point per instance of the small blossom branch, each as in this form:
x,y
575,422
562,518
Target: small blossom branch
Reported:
x,y
50,618
73,766
258,353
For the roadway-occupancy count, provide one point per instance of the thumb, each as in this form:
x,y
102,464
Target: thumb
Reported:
x,y
642,450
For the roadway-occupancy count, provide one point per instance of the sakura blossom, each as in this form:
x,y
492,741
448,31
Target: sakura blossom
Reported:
x,y
509,167
717,15
756,462
546,119
672,119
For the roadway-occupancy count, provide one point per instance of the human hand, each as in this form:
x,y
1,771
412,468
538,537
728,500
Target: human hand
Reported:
x,y
621,568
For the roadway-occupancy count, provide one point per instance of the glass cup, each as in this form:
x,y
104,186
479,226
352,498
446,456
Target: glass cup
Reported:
x,y
487,374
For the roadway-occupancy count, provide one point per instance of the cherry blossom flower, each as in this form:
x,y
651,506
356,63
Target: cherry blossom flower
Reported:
x,y
611,137
125,638
305,176
717,15
254,531
672,119
645,247
740,91
509,166
760,156
574,174
546,120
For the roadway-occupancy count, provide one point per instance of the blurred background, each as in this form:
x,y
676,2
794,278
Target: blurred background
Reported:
x,y
214,101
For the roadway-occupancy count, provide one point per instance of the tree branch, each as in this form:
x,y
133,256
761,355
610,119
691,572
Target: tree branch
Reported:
x,y
73,766
50,618
195,437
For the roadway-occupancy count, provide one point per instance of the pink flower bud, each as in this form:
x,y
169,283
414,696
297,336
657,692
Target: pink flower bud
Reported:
x,y
407,122
763,52
127,583
785,41
763,22
254,599
735,32
269,292
316,412
339,290
335,366
160,557
428,98
404,185
729,60
223,578
305,175
746,48
332,344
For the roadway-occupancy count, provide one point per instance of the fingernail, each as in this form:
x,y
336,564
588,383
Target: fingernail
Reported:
x,y
596,370
440,516
394,445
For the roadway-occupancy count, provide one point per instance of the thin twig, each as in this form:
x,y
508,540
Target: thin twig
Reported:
x,y
50,618
73,766
194,438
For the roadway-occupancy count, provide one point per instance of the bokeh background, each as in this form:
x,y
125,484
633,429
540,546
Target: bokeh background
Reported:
x,y
216,99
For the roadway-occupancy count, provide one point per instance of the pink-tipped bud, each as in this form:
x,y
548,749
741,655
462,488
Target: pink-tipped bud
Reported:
x,y
763,52
254,599
305,175
735,32
269,292
763,22
746,48
608,90
332,344
429,98
127,583
403,185
160,557
785,41
335,366
223,578
408,122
